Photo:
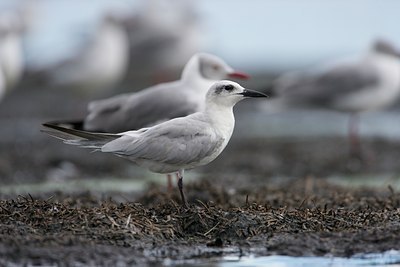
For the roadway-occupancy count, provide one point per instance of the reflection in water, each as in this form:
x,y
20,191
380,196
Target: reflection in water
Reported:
x,y
391,257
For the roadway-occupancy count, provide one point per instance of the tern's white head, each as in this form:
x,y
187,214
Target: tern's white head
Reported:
x,y
210,67
228,93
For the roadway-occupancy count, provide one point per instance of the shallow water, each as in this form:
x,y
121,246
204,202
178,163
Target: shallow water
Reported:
x,y
388,258
124,185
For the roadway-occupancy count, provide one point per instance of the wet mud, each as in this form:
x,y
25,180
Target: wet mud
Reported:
x,y
303,217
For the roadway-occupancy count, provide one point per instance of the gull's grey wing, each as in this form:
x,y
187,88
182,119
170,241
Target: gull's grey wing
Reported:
x,y
138,110
108,105
178,142
328,86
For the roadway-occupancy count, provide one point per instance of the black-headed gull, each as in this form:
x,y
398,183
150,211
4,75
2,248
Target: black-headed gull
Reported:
x,y
350,85
174,145
161,102
158,103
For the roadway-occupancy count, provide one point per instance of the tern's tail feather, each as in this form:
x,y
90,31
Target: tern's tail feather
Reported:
x,y
78,137
71,124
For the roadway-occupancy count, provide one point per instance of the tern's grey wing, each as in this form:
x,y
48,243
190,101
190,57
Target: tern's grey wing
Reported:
x,y
138,110
178,142
326,87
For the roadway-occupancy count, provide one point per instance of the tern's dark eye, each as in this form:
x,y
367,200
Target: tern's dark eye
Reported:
x,y
228,87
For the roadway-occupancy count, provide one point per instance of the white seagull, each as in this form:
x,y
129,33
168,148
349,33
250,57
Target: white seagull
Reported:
x,y
351,85
12,28
163,36
174,145
100,64
3,87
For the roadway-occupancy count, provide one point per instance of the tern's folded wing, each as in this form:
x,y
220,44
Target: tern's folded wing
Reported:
x,y
179,141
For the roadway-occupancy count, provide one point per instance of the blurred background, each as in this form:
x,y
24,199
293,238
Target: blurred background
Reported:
x,y
56,56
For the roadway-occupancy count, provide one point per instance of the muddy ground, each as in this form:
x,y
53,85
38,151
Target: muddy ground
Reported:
x,y
247,202
302,217
260,197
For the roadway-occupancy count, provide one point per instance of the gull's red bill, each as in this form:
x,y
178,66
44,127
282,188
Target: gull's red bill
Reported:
x,y
239,75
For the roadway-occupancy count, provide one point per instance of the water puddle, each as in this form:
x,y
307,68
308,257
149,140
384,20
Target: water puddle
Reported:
x,y
389,258
93,184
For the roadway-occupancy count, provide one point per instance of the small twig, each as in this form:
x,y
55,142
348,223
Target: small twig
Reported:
x,y
24,197
209,231
175,205
302,203
9,212
113,222
203,204
50,198
86,221
128,221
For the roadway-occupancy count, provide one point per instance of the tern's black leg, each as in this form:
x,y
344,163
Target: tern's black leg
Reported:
x,y
180,186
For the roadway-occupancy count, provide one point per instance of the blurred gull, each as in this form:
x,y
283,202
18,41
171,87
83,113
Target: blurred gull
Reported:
x,y
174,145
2,84
101,63
350,85
160,102
163,36
12,28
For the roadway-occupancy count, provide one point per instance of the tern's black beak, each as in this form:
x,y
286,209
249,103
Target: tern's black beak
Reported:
x,y
251,93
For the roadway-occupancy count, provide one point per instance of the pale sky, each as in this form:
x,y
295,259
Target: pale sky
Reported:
x,y
254,34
